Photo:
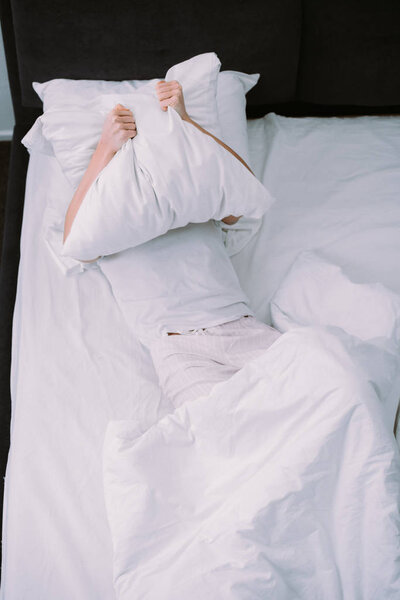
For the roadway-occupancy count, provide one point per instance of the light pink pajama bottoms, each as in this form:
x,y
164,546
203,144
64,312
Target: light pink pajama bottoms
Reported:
x,y
190,364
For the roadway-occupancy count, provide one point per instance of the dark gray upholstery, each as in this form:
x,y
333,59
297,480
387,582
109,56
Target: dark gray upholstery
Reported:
x,y
350,52
141,40
316,57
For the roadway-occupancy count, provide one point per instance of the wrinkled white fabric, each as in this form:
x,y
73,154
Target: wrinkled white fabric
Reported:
x,y
281,483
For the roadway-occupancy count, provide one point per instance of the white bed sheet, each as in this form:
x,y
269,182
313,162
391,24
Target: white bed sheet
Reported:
x,y
75,365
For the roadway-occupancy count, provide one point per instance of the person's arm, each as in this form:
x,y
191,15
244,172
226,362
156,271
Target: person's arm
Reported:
x,y
230,220
170,94
118,128
101,157
220,142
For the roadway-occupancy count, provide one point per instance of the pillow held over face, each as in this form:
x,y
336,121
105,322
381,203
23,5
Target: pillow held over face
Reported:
x,y
169,175
214,99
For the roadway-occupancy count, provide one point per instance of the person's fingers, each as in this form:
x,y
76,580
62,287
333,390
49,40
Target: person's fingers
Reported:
x,y
120,110
167,85
169,90
165,103
127,133
124,119
129,126
122,114
163,82
121,107
168,94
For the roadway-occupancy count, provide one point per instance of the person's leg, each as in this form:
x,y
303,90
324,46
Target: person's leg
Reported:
x,y
185,368
190,364
245,339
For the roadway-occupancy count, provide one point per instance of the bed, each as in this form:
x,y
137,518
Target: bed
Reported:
x,y
74,379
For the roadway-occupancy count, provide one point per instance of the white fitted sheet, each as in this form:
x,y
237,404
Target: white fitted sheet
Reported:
x,y
75,365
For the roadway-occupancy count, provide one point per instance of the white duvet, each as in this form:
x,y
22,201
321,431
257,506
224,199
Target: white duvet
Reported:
x,y
282,483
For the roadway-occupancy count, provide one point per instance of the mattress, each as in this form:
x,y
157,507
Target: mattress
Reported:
x,y
76,366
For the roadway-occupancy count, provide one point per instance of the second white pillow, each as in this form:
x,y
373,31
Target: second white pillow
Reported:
x,y
318,292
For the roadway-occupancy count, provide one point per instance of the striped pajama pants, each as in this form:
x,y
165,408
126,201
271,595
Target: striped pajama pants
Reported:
x,y
190,364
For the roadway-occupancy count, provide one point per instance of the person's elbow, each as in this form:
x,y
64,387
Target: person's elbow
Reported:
x,y
230,220
89,261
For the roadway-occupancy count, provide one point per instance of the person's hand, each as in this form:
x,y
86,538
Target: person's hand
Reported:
x,y
170,93
118,127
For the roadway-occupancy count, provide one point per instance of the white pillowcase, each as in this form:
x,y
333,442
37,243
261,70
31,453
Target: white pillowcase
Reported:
x,y
318,292
169,175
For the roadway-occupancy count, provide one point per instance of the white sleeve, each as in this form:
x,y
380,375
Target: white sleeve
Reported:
x,y
236,236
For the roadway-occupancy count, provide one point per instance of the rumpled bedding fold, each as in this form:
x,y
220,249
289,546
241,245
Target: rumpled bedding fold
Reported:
x,y
282,483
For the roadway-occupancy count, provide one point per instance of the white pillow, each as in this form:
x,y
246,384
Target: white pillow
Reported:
x,y
169,175
318,292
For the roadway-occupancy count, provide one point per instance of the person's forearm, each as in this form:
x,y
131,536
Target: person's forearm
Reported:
x,y
220,142
101,157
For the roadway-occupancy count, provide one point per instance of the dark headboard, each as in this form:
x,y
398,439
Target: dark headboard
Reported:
x,y
332,56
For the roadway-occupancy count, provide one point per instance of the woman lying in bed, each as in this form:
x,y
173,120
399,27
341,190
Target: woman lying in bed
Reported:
x,y
226,333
